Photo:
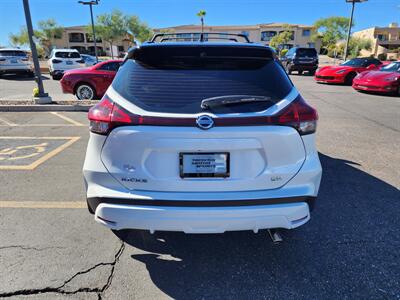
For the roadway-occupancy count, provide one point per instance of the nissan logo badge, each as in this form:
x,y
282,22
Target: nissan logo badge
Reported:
x,y
204,122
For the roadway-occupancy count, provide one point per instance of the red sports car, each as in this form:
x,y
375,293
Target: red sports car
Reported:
x,y
385,80
90,83
345,72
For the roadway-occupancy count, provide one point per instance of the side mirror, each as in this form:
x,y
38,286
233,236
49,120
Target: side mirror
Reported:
x,y
371,67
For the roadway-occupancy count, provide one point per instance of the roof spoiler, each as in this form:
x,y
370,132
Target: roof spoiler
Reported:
x,y
198,37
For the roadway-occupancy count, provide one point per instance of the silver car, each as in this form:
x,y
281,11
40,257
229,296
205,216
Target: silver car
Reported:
x,y
15,61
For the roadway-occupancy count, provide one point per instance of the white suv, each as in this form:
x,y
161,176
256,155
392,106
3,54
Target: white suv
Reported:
x,y
202,137
15,61
62,60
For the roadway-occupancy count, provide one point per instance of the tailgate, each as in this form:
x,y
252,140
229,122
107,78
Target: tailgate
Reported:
x,y
148,157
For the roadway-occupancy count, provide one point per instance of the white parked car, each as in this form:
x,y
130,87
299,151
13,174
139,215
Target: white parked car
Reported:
x,y
202,137
62,60
89,60
15,61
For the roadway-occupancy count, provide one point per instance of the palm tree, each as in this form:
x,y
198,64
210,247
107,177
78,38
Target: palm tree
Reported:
x,y
201,14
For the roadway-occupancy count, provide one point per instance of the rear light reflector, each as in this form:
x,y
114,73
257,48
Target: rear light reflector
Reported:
x,y
106,115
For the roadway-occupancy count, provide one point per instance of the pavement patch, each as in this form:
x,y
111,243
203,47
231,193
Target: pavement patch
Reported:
x,y
26,153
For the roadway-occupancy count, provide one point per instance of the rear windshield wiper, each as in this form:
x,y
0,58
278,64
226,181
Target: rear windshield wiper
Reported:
x,y
232,99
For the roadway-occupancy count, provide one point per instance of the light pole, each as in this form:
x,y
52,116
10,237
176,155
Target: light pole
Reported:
x,y
42,97
91,3
353,3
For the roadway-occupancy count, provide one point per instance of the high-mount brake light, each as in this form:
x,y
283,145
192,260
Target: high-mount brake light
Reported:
x,y
106,115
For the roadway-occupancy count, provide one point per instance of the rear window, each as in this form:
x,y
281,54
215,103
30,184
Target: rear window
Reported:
x,y
13,53
177,81
306,52
67,55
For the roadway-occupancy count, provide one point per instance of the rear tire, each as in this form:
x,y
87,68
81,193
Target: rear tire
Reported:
x,y
300,72
30,74
85,91
348,80
312,73
288,70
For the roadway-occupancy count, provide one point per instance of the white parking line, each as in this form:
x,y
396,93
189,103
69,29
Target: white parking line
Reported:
x,y
7,123
76,123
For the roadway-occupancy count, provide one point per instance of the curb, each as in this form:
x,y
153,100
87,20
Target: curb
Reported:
x,y
43,107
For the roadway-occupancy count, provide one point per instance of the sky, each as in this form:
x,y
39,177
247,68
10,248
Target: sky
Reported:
x,y
164,13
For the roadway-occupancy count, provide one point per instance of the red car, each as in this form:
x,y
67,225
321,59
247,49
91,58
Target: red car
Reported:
x,y
90,83
385,80
345,72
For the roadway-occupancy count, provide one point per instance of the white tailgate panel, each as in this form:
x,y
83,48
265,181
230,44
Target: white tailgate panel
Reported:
x,y
147,157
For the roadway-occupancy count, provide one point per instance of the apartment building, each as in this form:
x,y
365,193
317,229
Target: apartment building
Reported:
x,y
259,33
78,37
384,40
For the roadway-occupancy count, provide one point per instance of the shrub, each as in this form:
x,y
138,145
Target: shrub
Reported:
x,y
382,56
283,52
35,92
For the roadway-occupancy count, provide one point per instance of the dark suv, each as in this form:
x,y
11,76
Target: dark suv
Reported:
x,y
301,59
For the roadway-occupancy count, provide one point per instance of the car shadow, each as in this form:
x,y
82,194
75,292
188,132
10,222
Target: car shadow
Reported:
x,y
378,94
15,77
349,247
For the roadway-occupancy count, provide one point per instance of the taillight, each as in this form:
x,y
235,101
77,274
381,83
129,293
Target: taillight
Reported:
x,y
81,61
106,115
56,61
299,115
2,59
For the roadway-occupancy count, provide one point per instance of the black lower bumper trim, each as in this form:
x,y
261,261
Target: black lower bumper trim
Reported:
x,y
94,202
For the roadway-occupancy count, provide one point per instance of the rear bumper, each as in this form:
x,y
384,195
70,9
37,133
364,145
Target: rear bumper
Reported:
x,y
217,219
15,70
300,67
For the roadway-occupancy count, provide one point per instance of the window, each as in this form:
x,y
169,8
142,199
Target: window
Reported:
x,y
76,37
187,37
267,35
13,53
111,66
311,45
246,33
67,54
90,39
382,37
306,32
306,52
292,34
177,80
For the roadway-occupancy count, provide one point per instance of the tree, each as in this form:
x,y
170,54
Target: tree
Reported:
x,y
201,14
110,27
282,38
331,30
19,39
48,30
355,46
140,30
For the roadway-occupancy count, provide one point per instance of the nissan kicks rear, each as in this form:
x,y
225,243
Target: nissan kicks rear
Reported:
x,y
202,137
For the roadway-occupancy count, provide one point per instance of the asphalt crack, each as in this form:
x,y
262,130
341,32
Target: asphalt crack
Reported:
x,y
60,289
22,247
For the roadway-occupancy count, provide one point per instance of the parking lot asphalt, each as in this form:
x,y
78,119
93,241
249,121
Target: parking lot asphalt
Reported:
x,y
16,87
50,247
